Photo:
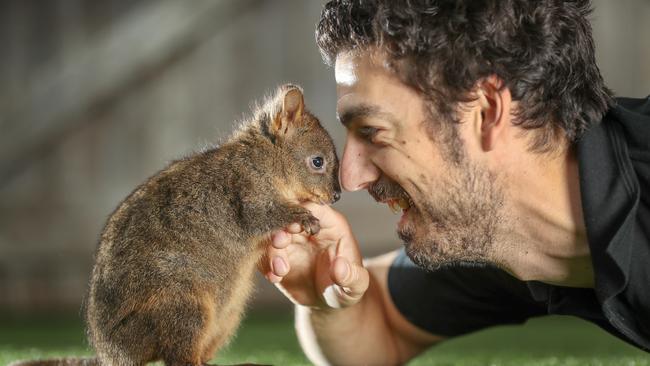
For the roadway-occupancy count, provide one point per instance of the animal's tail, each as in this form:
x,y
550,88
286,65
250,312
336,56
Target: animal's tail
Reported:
x,y
92,361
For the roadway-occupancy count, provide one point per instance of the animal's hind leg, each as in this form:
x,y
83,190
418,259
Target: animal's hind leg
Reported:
x,y
228,324
187,332
117,358
121,350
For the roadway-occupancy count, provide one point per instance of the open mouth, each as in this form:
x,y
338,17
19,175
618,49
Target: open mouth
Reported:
x,y
399,204
387,191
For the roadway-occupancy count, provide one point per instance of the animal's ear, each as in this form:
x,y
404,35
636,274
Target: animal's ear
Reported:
x,y
290,117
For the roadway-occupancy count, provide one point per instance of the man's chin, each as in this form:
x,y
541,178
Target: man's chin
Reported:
x,y
420,253
406,235
427,254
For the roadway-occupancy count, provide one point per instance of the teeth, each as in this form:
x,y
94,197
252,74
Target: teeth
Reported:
x,y
394,206
403,203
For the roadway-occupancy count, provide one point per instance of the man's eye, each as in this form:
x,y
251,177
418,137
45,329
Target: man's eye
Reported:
x,y
367,132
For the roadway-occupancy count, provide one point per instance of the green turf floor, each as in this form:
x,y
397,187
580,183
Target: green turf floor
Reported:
x,y
271,340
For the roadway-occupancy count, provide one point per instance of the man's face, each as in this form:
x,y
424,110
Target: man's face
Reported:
x,y
450,204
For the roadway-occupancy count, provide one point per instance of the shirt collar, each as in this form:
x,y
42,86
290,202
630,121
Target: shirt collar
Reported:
x,y
610,197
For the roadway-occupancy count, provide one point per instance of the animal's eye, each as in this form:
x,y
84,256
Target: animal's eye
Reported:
x,y
316,162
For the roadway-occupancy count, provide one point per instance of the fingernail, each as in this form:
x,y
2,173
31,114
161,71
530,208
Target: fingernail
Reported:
x,y
329,295
279,267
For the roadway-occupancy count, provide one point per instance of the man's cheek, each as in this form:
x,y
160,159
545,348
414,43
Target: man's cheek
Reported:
x,y
396,163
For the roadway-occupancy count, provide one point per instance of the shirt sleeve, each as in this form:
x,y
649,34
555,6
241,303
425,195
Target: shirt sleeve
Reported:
x,y
456,300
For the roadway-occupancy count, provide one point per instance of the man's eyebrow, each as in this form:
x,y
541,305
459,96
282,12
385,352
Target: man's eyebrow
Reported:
x,y
364,110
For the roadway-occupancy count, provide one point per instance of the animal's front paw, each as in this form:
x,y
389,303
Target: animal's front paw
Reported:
x,y
311,225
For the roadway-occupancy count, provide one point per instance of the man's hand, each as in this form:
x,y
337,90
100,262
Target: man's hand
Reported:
x,y
322,271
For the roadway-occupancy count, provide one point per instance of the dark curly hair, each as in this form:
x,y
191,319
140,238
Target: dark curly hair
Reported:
x,y
542,50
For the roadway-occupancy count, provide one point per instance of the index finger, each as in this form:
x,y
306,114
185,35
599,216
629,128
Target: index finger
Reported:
x,y
326,215
294,228
282,239
335,229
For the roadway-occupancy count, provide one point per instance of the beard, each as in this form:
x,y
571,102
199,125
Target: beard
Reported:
x,y
454,223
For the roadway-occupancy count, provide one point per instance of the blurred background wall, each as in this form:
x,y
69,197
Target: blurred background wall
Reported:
x,y
95,96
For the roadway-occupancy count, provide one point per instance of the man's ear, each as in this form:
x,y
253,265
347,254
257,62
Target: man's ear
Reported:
x,y
495,102
290,117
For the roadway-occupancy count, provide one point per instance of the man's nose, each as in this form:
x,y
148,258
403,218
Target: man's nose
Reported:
x,y
356,170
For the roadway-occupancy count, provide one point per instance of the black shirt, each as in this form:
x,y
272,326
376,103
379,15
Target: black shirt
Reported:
x,y
614,169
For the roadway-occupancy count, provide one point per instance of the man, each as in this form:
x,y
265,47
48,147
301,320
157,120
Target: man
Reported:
x,y
524,185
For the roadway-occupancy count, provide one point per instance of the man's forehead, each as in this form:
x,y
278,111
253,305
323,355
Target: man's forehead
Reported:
x,y
350,66
346,69
366,88
348,114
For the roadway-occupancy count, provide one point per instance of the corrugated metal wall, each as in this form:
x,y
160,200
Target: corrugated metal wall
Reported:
x,y
97,96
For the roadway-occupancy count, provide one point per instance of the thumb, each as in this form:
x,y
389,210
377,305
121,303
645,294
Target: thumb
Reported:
x,y
351,279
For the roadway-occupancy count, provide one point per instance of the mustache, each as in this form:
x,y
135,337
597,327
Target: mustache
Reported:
x,y
385,188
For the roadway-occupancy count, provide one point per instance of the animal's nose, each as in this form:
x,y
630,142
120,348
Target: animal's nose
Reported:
x,y
337,196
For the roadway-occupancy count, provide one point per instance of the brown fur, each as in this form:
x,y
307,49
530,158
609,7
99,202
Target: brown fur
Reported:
x,y
176,259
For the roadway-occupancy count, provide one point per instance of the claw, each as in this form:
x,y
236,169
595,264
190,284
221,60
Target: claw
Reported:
x,y
311,227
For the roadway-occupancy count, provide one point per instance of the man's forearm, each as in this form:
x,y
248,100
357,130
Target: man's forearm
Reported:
x,y
353,335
